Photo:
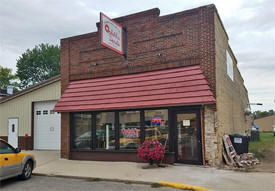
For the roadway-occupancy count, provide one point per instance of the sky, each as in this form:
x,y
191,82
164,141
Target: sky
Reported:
x,y
250,25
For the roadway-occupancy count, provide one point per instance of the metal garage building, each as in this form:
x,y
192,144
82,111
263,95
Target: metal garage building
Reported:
x,y
27,119
266,124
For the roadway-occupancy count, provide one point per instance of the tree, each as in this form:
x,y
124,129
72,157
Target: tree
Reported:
x,y
6,78
38,64
271,112
260,114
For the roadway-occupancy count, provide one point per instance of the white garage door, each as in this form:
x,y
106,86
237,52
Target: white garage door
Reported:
x,y
47,126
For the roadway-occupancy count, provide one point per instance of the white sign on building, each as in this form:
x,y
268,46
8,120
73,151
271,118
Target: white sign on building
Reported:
x,y
186,123
111,34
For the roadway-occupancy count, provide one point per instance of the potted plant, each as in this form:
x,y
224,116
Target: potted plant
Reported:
x,y
151,151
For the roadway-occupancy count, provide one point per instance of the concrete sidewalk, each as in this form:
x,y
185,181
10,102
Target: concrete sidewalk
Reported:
x,y
49,163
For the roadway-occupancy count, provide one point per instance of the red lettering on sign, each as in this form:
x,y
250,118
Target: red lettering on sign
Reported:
x,y
130,133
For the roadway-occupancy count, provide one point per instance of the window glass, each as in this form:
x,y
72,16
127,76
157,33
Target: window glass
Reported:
x,y
105,130
129,129
51,112
5,148
38,112
156,126
45,112
82,130
187,136
229,64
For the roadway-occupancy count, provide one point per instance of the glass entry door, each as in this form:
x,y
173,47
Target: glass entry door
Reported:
x,y
188,135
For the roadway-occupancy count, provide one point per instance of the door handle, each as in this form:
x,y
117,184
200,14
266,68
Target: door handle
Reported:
x,y
6,158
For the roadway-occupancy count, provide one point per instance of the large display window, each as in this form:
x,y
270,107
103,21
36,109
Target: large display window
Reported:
x,y
105,131
118,130
156,126
129,129
82,134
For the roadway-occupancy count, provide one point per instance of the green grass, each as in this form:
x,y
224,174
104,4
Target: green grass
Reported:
x,y
267,141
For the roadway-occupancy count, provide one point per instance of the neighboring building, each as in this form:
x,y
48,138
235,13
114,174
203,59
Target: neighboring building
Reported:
x,y
3,93
266,124
6,92
27,119
180,84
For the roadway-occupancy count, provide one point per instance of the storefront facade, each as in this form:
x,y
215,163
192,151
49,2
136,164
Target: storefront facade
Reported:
x,y
120,142
165,89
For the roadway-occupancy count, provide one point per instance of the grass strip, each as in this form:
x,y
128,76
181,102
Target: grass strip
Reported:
x,y
266,142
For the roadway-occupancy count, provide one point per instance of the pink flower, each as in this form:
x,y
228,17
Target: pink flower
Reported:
x,y
151,150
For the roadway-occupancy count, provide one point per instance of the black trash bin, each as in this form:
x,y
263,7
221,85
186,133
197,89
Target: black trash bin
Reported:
x,y
240,143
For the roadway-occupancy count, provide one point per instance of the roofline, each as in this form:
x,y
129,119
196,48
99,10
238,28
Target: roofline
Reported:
x,y
188,12
31,88
234,57
218,15
265,117
153,12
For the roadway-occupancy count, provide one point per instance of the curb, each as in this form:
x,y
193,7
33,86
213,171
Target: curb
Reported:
x,y
162,183
183,186
96,179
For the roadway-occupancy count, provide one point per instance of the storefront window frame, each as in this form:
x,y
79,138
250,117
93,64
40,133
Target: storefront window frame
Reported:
x,y
117,129
72,134
94,131
169,112
141,127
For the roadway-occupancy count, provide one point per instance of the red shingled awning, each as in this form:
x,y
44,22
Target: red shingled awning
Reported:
x,y
171,87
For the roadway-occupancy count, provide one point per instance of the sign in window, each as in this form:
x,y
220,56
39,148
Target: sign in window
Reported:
x,y
129,129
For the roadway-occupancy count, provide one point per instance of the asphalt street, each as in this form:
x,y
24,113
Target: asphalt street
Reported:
x,y
41,183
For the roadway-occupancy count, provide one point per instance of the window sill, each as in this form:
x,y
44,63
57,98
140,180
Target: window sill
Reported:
x,y
102,150
110,151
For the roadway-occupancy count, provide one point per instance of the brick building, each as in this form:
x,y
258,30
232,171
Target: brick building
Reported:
x,y
179,84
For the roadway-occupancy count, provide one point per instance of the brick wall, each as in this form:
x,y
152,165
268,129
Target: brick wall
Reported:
x,y
23,143
182,39
65,135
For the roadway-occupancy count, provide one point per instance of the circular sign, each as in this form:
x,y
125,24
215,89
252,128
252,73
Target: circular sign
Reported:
x,y
107,28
